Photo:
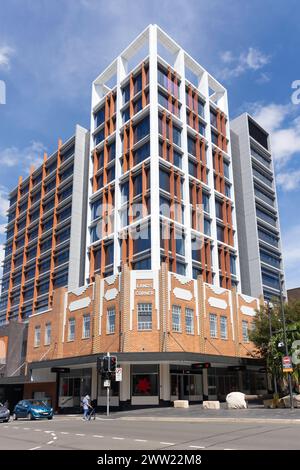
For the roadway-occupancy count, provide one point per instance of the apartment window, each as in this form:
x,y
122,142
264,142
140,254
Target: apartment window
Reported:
x,y
99,117
262,158
126,114
226,169
142,129
126,93
189,321
270,279
219,209
268,217
223,327
213,325
111,320
245,330
141,153
71,329
137,184
177,135
99,137
269,258
47,334
232,264
258,134
227,190
176,318
177,158
86,332
37,336
268,237
220,233
60,279
109,254
205,202
144,316
164,180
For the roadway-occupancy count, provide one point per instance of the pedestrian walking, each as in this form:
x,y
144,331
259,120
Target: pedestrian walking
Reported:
x,y
86,405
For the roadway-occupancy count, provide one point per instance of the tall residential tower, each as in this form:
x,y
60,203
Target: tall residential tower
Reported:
x,y
258,225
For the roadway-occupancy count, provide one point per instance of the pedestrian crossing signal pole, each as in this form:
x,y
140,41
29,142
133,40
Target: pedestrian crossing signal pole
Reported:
x,y
107,390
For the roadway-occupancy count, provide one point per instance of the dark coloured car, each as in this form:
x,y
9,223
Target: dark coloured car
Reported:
x,y
4,413
32,409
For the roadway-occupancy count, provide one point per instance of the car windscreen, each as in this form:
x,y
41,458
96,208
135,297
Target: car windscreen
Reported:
x,y
37,403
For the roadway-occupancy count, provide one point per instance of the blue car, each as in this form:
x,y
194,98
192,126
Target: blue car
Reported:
x,y
32,409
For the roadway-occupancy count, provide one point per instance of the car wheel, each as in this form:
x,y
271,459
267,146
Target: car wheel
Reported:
x,y
15,417
29,416
7,420
50,417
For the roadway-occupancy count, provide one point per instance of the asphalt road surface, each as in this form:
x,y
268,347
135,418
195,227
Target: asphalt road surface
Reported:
x,y
142,433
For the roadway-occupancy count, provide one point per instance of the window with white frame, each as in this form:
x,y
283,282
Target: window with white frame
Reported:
x,y
86,330
213,325
223,327
189,321
144,316
111,320
245,330
37,336
176,318
47,333
71,329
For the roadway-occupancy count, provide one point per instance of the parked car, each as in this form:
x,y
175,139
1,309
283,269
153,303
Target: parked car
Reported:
x,y
32,409
4,413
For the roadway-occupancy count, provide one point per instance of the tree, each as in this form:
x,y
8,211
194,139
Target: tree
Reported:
x,y
272,348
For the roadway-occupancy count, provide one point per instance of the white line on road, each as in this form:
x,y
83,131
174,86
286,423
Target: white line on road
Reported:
x,y
140,440
96,435
55,438
26,429
16,427
79,434
50,442
119,438
34,448
168,443
49,432
63,432
37,430
197,447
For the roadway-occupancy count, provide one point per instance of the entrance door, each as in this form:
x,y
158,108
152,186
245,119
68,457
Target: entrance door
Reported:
x,y
186,387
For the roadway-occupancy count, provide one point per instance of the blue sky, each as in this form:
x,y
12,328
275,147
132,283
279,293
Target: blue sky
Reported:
x,y
51,51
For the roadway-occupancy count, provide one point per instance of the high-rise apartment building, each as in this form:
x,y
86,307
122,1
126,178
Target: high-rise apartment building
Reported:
x,y
161,175
258,224
46,231
157,212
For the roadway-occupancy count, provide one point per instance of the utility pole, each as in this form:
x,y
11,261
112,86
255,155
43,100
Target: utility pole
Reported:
x,y
271,335
285,340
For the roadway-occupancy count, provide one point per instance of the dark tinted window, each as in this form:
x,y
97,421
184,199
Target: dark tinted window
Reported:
x,y
258,134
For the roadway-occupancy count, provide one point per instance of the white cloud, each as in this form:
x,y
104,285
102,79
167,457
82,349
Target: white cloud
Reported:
x,y
30,155
253,59
2,229
289,181
5,56
291,255
3,203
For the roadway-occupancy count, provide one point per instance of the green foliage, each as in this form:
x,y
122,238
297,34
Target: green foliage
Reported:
x,y
267,346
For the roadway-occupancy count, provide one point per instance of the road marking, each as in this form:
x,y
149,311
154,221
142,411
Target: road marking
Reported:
x,y
63,432
96,435
168,443
37,430
197,447
55,438
119,438
140,440
26,429
228,449
79,434
16,427
34,448
5,426
50,442
49,432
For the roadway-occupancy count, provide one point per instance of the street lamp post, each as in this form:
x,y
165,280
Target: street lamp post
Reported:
x,y
285,339
271,335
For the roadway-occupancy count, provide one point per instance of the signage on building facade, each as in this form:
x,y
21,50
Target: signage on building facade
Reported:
x,y
144,288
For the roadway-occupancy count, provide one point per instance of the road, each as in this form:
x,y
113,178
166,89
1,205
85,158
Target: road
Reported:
x,y
71,432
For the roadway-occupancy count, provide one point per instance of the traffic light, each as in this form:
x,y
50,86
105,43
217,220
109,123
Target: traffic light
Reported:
x,y
113,363
201,365
106,364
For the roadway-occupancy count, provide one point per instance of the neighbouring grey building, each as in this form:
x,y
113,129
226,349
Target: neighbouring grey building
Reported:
x,y
258,224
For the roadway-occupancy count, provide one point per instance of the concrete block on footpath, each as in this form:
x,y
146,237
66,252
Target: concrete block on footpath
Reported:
x,y
211,405
181,404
